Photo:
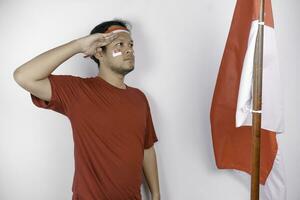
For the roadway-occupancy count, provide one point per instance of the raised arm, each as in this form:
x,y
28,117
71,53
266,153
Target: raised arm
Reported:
x,y
33,75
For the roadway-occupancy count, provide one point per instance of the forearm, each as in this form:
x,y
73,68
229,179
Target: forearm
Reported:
x,y
151,172
44,64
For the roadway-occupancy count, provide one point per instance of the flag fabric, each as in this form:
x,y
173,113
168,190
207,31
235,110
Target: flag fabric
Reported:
x,y
275,186
232,100
272,108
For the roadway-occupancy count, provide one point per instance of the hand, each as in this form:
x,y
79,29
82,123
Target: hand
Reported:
x,y
89,44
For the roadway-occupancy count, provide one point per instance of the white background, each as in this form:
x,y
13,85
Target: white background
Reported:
x,y
178,47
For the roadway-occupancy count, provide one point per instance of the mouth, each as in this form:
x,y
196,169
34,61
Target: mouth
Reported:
x,y
129,59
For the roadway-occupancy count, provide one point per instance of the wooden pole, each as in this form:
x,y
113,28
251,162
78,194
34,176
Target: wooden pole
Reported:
x,y
257,99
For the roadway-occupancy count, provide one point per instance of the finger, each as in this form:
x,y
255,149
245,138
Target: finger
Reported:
x,y
112,38
113,35
102,40
105,42
100,44
108,33
105,35
101,36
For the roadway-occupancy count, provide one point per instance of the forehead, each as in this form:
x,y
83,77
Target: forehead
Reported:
x,y
123,36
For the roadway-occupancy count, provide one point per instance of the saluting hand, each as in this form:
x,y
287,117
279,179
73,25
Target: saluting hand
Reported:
x,y
89,44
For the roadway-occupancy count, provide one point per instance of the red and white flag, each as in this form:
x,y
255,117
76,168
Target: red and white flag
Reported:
x,y
232,100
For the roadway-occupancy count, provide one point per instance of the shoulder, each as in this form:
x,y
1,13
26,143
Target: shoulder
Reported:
x,y
142,97
139,92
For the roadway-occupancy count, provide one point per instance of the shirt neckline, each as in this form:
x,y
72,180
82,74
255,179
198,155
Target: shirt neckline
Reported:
x,y
108,85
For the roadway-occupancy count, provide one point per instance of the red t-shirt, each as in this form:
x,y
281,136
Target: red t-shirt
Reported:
x,y
111,128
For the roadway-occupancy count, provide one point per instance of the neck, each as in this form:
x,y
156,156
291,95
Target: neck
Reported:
x,y
112,78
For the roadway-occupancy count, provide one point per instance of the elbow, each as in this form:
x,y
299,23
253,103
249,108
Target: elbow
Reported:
x,y
20,78
17,75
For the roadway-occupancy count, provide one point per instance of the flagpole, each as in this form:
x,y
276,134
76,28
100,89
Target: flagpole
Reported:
x,y
257,101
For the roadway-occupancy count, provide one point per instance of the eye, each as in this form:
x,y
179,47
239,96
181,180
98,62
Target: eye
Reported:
x,y
119,44
131,44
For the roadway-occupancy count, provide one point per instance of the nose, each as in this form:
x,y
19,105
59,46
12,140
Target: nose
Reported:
x,y
129,51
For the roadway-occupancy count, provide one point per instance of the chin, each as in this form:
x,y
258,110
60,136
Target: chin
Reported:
x,y
128,67
131,67
126,70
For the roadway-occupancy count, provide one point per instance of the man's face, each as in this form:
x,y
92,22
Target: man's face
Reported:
x,y
119,54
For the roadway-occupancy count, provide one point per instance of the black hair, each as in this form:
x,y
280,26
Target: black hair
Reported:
x,y
101,28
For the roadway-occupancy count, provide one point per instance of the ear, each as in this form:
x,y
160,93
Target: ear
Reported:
x,y
99,53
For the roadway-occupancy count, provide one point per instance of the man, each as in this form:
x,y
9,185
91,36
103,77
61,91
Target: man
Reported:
x,y
112,126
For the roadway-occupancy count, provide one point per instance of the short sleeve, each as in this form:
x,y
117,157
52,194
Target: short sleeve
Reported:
x,y
63,91
150,134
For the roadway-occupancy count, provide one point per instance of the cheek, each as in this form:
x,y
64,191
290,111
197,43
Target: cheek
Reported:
x,y
116,53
